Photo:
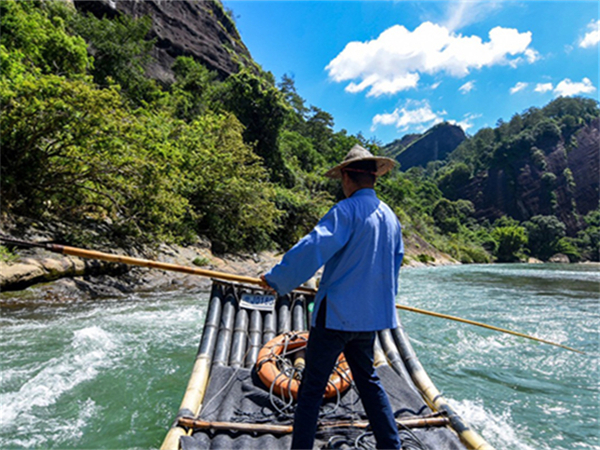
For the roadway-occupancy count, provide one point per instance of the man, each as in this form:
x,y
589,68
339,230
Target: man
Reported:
x,y
359,241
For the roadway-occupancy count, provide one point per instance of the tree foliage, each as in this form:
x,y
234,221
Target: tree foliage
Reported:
x,y
89,139
120,53
545,233
510,241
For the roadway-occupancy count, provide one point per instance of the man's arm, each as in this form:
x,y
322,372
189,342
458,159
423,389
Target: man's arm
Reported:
x,y
311,252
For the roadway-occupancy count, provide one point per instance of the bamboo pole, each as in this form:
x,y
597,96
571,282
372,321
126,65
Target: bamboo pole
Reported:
x,y
92,254
197,424
483,325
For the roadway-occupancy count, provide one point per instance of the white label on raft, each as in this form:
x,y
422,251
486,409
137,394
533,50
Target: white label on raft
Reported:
x,y
260,302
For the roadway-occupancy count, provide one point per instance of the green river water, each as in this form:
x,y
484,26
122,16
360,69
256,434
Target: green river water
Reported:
x,y
110,373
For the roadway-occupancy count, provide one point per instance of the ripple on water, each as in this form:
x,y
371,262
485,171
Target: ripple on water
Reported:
x,y
89,351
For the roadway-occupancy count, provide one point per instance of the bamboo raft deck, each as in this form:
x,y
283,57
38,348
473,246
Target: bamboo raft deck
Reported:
x,y
226,406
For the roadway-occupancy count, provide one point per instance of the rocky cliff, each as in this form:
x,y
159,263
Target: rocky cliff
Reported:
x,y
565,185
418,149
197,28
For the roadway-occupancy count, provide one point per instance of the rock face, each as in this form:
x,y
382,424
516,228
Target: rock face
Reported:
x,y
523,190
418,149
197,28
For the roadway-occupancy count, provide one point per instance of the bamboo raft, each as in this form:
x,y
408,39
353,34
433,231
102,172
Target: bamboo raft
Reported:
x,y
226,406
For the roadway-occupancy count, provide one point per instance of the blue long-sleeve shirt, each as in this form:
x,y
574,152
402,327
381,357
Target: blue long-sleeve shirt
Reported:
x,y
360,243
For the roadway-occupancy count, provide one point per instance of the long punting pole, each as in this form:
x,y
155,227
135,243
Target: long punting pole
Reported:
x,y
483,325
92,254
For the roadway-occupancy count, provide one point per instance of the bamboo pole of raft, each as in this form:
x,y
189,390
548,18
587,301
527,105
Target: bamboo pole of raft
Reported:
x,y
92,254
196,424
483,325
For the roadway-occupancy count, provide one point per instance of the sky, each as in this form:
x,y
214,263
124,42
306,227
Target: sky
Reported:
x,y
389,68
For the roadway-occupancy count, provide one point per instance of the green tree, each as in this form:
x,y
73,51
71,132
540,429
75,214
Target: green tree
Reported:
x,y
589,238
296,119
510,241
260,107
74,152
454,177
544,234
35,34
121,53
446,215
193,90
546,133
226,184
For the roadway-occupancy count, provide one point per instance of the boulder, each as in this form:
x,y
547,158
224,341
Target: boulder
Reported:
x,y
559,258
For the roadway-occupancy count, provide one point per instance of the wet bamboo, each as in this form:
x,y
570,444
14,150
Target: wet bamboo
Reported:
x,y
196,424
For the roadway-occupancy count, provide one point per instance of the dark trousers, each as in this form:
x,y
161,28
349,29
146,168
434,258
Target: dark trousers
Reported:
x,y
324,347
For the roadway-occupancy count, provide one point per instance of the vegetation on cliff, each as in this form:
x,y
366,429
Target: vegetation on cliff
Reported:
x,y
87,138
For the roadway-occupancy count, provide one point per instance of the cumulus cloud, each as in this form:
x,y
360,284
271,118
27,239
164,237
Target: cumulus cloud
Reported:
x,y
467,87
592,37
518,87
414,114
543,87
396,59
567,87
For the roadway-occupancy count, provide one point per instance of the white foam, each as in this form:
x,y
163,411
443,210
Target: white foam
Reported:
x,y
499,431
89,351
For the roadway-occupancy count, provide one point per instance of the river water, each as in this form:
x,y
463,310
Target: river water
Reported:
x,y
110,373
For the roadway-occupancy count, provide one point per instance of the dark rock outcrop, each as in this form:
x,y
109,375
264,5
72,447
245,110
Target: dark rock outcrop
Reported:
x,y
567,187
435,144
200,29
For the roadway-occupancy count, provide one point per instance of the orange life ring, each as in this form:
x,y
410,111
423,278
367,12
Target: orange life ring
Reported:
x,y
283,385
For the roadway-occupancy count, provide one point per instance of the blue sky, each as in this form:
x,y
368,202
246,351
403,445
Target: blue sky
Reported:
x,y
388,68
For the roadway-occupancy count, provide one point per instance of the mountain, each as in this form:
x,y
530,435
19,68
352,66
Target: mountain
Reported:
x,y
543,162
419,149
200,29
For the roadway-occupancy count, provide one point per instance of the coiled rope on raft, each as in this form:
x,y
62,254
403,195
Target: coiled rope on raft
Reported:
x,y
280,365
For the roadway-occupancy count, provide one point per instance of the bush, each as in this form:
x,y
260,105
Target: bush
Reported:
x,y
425,258
544,235
35,34
568,246
510,241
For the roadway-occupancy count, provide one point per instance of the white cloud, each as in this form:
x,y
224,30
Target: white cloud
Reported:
x,y
467,121
467,87
395,60
592,37
543,87
413,114
518,87
567,87
465,12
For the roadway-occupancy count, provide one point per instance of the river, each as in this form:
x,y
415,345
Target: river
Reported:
x,y
110,373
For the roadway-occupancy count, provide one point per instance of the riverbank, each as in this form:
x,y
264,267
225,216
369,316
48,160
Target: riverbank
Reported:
x,y
62,277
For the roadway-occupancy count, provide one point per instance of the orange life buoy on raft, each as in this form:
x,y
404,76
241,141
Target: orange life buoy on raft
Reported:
x,y
270,373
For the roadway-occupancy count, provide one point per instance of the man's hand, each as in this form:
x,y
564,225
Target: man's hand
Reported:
x,y
265,285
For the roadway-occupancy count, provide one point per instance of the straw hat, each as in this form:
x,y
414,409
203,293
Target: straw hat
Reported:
x,y
358,153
